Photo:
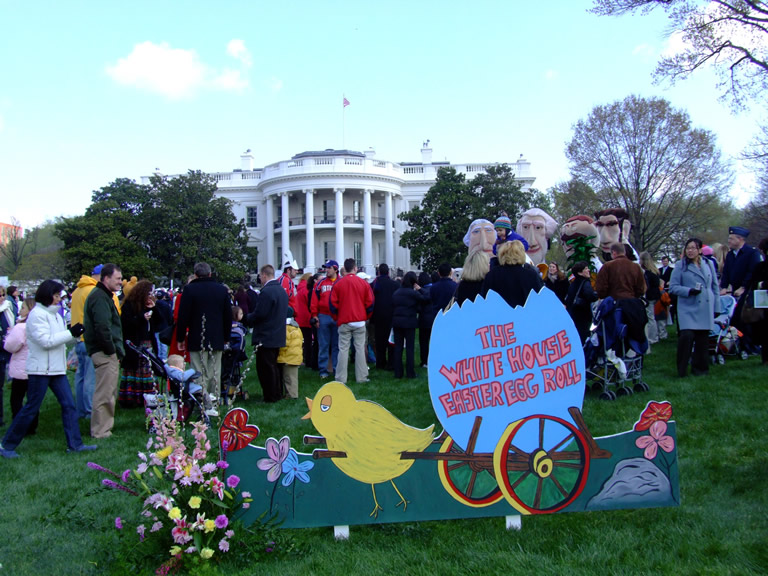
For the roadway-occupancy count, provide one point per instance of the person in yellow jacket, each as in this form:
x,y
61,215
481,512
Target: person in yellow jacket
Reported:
x,y
85,377
291,356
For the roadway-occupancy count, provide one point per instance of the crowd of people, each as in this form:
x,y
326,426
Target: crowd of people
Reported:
x,y
336,317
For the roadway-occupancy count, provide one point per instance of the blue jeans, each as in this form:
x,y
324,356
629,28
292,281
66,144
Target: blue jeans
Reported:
x,y
38,386
327,335
85,381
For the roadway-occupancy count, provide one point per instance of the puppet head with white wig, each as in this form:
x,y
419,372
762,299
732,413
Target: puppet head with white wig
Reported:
x,y
537,227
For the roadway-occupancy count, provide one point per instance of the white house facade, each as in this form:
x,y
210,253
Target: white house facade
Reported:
x,y
335,204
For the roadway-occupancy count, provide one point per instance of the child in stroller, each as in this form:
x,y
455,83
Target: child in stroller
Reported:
x,y
724,339
232,360
178,389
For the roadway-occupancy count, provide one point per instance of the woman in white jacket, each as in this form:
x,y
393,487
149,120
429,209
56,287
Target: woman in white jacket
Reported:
x,y
47,339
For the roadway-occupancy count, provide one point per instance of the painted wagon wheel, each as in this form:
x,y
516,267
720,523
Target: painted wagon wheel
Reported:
x,y
548,477
469,478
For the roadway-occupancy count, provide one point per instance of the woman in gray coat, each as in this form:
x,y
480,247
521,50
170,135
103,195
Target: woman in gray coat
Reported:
x,y
694,282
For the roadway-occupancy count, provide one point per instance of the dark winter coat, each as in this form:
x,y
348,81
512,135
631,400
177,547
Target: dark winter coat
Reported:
x,y
441,293
204,298
513,283
103,329
406,303
268,318
383,289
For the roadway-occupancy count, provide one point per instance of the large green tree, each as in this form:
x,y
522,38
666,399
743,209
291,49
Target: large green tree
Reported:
x,y
729,35
157,230
642,155
438,225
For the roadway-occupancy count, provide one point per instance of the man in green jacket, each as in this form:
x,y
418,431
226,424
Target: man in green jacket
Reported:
x,y
103,339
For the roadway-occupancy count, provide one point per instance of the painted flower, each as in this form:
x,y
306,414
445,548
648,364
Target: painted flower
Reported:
x,y
277,452
206,553
221,521
195,502
656,438
654,412
295,470
233,481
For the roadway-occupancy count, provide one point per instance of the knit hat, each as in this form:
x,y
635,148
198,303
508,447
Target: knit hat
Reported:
x,y
503,221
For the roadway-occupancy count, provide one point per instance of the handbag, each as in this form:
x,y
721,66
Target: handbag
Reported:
x,y
750,314
578,300
166,334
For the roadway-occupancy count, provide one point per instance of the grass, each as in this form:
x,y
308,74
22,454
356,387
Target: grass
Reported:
x,y
55,519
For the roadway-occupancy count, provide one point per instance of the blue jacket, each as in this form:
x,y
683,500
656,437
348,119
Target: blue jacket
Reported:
x,y
441,293
737,270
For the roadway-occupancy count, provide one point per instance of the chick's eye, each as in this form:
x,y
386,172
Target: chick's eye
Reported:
x,y
325,403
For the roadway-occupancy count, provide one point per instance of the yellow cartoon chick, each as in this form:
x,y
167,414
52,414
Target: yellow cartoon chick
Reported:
x,y
370,436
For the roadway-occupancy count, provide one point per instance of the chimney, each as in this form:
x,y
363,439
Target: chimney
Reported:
x,y
370,153
426,153
246,161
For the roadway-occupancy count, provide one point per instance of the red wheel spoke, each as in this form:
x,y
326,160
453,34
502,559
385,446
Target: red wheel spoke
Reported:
x,y
563,491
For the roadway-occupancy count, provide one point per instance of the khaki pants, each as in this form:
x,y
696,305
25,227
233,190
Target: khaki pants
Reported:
x,y
106,370
208,363
357,336
291,380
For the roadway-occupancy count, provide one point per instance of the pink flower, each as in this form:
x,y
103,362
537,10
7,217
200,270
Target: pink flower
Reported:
x,y
140,531
209,468
246,494
224,546
217,487
229,533
156,527
180,532
118,523
221,521
222,464
655,439
233,481
277,452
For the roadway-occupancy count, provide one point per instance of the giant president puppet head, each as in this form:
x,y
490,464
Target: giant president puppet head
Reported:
x,y
613,225
537,227
481,235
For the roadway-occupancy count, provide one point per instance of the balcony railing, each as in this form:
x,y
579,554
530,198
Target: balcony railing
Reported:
x,y
301,221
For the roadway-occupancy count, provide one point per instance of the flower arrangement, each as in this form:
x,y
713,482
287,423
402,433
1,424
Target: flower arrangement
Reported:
x,y
188,500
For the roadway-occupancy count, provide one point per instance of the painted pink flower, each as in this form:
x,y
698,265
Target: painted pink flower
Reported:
x,y
656,438
277,452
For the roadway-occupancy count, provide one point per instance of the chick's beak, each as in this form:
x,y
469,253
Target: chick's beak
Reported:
x,y
308,415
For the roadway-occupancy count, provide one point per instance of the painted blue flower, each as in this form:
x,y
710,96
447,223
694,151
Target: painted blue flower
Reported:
x,y
293,469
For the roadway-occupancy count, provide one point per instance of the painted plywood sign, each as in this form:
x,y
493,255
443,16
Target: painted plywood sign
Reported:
x,y
507,387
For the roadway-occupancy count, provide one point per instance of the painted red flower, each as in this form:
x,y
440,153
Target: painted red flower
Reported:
x,y
654,412
235,432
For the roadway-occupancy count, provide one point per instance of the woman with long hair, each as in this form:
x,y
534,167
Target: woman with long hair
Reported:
x,y
653,288
557,281
47,339
694,282
16,344
140,325
513,279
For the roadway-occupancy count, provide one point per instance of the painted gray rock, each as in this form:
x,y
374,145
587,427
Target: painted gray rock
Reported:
x,y
635,482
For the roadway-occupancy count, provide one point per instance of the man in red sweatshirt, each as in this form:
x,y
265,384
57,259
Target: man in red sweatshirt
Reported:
x,y
351,305
327,334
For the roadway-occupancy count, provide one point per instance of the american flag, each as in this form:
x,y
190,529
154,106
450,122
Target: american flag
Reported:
x,y
345,103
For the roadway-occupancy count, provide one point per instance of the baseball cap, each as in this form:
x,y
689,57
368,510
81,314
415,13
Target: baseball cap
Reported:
x,y
331,263
97,269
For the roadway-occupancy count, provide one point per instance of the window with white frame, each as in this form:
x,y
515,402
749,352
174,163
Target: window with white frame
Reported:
x,y
251,217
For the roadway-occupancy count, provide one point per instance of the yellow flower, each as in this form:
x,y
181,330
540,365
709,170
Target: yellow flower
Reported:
x,y
194,502
206,553
187,469
175,513
210,525
164,453
175,550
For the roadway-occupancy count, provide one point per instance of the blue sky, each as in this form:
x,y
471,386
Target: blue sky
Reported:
x,y
94,91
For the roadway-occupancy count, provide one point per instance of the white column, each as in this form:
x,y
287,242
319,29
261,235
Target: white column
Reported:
x,y
270,234
285,229
309,265
339,225
389,242
367,237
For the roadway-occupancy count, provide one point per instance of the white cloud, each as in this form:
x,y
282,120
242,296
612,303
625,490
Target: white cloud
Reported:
x,y
643,50
236,48
551,74
675,44
275,84
172,72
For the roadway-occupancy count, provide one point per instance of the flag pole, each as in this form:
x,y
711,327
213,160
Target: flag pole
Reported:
x,y
343,122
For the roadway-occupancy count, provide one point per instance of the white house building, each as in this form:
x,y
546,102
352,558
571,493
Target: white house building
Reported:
x,y
335,204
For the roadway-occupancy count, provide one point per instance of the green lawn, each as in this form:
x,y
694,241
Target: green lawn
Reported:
x,y
55,518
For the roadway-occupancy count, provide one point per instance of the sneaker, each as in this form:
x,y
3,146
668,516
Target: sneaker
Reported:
x,y
363,381
8,453
83,448
323,375
212,413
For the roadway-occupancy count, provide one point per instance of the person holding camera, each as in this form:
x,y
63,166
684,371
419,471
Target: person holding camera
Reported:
x,y
694,282
47,339
140,324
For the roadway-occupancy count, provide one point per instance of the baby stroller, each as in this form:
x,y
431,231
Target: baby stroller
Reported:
x,y
174,390
614,359
232,364
724,339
